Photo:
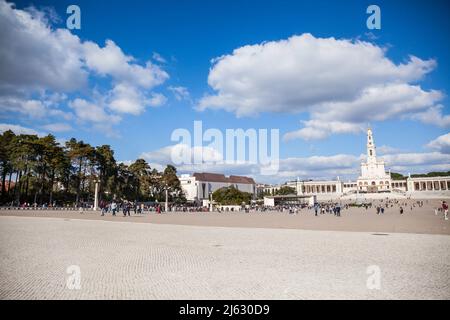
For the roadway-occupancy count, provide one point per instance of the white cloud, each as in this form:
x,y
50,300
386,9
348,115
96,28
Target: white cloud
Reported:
x,y
58,127
342,84
317,129
17,129
441,144
157,100
433,116
417,159
110,60
40,65
88,111
33,56
127,99
387,150
158,58
180,93
30,108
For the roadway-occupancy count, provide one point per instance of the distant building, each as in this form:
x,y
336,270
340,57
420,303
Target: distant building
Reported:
x,y
373,178
198,186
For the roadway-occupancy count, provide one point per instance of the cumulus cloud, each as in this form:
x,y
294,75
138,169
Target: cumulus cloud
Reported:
x,y
157,100
33,56
433,116
41,65
110,60
30,108
441,144
88,111
319,129
17,129
58,127
344,82
387,150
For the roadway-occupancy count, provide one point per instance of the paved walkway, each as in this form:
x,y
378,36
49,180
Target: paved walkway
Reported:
x,y
141,260
417,220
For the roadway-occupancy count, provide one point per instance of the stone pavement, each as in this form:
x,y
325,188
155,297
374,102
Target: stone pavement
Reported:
x,y
120,260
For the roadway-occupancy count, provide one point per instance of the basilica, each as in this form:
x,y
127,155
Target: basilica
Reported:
x,y
373,176
373,179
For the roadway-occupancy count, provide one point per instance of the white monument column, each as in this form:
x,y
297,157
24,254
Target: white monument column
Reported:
x,y
167,200
96,196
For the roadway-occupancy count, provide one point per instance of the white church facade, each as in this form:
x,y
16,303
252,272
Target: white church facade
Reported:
x,y
373,176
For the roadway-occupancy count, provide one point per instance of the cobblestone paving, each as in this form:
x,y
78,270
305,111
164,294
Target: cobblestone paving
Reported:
x,y
146,261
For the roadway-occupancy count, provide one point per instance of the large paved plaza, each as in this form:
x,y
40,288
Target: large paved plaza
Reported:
x,y
414,220
121,260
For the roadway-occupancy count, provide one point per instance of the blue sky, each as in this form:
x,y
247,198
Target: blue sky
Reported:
x,y
189,34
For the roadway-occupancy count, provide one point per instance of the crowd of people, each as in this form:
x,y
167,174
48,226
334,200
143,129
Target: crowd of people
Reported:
x,y
326,207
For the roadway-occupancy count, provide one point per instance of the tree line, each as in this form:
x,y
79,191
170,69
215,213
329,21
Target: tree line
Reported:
x,y
40,170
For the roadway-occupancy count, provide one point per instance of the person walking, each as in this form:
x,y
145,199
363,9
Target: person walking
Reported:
x,y
113,208
445,209
401,210
102,207
316,208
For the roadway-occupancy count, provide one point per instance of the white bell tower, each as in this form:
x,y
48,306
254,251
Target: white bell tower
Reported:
x,y
373,176
371,150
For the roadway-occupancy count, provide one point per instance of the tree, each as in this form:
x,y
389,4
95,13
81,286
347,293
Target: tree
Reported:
x,y
6,140
397,176
126,182
285,190
141,171
432,174
171,181
231,196
80,153
107,169
23,154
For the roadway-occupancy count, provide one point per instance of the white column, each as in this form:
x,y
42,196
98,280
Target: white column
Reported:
x,y
96,196
210,202
167,200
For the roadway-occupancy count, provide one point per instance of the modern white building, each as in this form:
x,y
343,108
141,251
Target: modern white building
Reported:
x,y
199,186
287,200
